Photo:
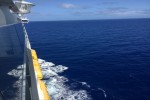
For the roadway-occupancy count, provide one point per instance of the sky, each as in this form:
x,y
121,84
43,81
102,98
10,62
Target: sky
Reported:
x,y
53,10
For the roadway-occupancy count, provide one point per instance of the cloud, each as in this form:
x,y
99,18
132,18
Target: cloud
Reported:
x,y
146,11
122,11
83,13
109,3
115,11
68,6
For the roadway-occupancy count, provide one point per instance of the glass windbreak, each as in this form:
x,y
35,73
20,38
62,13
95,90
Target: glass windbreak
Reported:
x,y
11,59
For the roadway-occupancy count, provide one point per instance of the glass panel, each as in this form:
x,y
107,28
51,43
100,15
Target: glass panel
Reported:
x,y
11,56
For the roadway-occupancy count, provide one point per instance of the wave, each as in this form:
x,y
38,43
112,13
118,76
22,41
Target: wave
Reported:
x,y
56,84
17,73
57,88
104,92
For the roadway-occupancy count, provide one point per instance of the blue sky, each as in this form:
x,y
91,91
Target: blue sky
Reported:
x,y
88,9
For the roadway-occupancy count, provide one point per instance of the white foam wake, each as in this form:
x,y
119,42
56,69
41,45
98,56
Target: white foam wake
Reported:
x,y
18,74
105,95
57,88
17,85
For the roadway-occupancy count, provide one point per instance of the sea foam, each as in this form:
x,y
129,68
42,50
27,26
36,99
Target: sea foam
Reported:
x,y
55,83
56,86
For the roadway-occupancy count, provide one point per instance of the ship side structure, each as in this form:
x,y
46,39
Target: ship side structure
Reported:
x,y
15,50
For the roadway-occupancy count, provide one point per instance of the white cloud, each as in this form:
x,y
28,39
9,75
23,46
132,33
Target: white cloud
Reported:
x,y
68,6
121,11
109,3
83,13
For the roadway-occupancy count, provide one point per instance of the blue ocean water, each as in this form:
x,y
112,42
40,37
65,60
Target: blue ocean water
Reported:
x,y
112,57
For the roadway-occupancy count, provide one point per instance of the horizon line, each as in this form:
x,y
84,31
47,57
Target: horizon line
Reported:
x,y
85,19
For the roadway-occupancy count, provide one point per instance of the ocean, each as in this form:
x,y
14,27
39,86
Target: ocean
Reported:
x,y
104,59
